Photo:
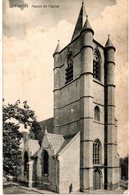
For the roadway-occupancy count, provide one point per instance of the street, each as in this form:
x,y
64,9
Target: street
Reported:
x,y
10,189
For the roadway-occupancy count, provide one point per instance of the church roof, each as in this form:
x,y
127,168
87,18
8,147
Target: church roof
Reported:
x,y
87,25
58,48
33,146
63,145
49,123
67,143
109,43
80,22
55,141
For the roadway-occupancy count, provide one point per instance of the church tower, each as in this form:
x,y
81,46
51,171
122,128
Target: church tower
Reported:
x,y
84,93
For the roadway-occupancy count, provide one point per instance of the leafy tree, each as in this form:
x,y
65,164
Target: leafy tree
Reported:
x,y
11,149
13,116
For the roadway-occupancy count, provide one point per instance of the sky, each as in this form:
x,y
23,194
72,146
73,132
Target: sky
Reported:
x,y
30,36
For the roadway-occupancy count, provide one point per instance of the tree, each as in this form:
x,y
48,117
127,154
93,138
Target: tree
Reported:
x,y
13,117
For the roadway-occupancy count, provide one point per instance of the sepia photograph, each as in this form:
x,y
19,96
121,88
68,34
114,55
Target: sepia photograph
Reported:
x,y
65,97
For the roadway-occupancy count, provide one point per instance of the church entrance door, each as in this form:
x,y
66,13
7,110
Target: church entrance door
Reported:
x,y
96,180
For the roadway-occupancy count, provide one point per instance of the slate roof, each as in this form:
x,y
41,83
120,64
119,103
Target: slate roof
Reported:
x,y
109,43
67,143
49,123
58,48
55,141
80,22
63,145
87,25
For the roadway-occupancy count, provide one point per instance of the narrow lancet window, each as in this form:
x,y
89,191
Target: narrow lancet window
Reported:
x,y
45,163
97,113
96,152
96,64
69,69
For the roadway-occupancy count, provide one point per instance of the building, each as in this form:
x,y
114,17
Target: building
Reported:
x,y
79,152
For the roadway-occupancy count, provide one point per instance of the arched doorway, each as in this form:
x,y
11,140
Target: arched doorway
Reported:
x,y
97,177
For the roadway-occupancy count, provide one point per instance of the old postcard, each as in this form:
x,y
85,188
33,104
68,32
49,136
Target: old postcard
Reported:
x,y
65,109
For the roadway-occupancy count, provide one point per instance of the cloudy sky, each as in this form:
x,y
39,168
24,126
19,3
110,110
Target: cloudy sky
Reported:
x,y
30,36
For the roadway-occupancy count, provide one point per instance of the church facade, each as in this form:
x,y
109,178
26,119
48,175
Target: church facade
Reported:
x,y
80,152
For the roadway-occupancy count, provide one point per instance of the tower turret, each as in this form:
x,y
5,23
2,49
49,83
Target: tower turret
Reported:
x,y
110,127
87,47
56,70
58,48
87,26
56,53
109,61
86,101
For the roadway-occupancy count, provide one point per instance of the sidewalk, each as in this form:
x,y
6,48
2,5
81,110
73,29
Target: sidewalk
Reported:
x,y
102,191
87,192
39,191
34,189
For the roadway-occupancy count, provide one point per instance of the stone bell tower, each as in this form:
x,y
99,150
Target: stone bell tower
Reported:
x,y
84,101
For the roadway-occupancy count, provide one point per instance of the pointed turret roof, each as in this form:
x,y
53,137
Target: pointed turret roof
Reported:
x,y
58,48
87,25
109,43
80,22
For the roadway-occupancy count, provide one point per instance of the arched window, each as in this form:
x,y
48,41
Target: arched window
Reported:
x,y
69,69
26,160
96,64
45,168
97,152
97,113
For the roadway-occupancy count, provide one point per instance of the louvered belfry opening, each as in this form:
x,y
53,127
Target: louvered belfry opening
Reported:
x,y
69,69
96,64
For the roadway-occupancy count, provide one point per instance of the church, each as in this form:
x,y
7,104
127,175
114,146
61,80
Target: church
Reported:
x,y
78,149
